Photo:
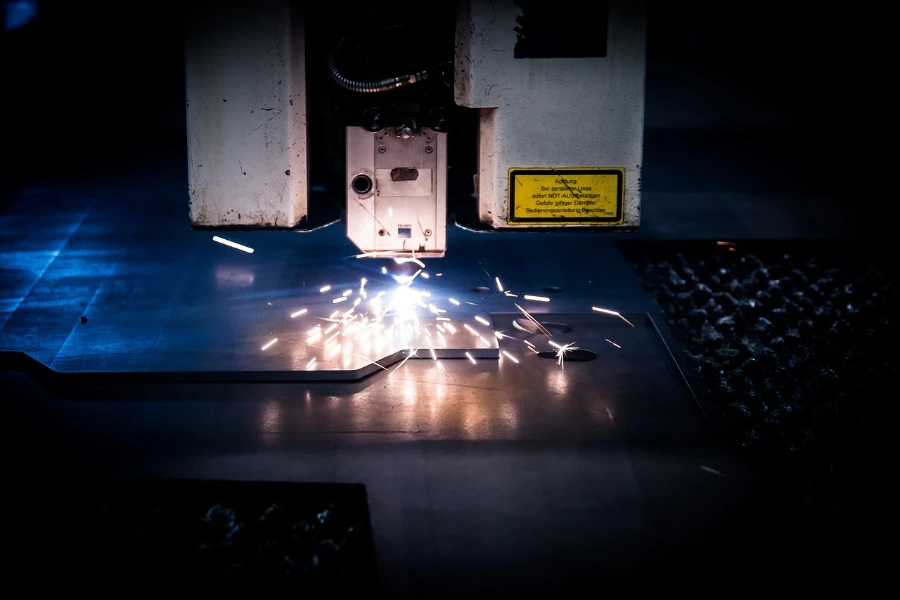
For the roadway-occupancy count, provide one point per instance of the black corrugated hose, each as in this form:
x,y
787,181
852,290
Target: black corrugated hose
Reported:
x,y
376,85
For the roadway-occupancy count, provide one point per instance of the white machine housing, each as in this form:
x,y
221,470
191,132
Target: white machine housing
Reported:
x,y
551,114
570,128
245,77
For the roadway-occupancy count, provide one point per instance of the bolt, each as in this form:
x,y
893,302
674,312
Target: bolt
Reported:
x,y
427,233
371,119
428,149
381,149
381,232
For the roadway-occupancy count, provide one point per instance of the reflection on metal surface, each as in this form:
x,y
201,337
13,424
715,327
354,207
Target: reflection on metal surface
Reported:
x,y
233,277
558,383
271,417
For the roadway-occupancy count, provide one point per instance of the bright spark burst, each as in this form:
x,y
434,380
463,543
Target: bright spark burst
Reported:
x,y
606,311
561,353
269,344
234,245
302,311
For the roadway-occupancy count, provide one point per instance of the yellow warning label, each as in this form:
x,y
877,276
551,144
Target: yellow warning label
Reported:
x,y
588,196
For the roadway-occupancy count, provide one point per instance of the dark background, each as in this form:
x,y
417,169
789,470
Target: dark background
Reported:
x,y
90,86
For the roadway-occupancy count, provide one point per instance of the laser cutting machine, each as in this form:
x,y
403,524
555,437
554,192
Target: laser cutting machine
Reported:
x,y
510,115
497,136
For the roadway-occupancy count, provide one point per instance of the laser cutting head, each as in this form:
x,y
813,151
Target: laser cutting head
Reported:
x,y
397,192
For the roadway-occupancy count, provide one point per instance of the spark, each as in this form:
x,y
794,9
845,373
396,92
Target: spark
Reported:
x,y
438,274
613,343
725,244
561,353
310,363
453,301
334,314
450,327
334,350
527,343
483,321
331,328
442,338
347,293
440,327
469,356
426,294
339,299
606,311
472,303
555,345
324,289
470,329
499,285
433,354
510,295
537,298
268,345
712,471
298,313
499,335
384,270
510,357
314,330
443,318
533,320
357,301
482,338
424,275
362,287
234,245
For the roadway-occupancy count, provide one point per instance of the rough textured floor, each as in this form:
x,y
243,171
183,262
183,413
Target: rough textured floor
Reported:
x,y
794,342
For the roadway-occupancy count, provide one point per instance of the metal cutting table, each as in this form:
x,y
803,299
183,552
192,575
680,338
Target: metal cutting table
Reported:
x,y
603,469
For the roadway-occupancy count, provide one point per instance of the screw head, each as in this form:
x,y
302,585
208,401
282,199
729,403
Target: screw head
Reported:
x,y
428,149
381,232
381,149
427,233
